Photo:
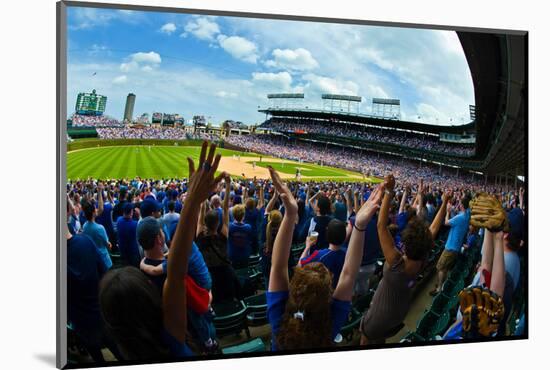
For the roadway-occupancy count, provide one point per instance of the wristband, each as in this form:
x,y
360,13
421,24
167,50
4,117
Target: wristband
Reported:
x,y
358,229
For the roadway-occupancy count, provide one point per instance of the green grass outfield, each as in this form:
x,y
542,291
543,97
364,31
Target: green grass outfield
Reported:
x,y
129,161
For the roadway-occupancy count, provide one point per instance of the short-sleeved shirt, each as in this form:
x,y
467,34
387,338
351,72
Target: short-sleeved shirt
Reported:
x,y
276,304
127,240
239,244
512,266
457,233
98,234
105,218
333,260
371,246
85,268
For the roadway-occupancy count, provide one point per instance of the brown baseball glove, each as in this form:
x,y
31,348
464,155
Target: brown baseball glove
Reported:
x,y
487,212
482,310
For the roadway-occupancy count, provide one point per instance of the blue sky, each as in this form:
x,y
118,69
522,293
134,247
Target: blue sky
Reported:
x,y
223,67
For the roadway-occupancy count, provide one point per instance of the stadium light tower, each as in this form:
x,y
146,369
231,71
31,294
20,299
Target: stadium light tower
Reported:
x,y
285,101
386,108
341,103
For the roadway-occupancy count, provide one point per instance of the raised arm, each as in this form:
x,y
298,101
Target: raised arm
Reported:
x,y
272,202
354,254
200,223
403,200
225,207
386,240
201,183
439,217
349,203
261,200
99,198
278,278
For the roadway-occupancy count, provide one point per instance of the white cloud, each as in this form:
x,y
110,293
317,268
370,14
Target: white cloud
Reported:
x,y
168,28
279,81
202,27
299,59
329,85
141,60
150,57
120,80
85,18
225,94
376,57
239,48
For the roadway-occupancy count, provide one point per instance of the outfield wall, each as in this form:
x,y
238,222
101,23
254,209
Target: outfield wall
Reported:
x,y
93,143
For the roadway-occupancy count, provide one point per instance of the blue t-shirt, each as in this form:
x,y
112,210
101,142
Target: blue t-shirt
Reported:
x,y
105,219
276,304
239,241
457,233
127,240
371,246
85,268
176,348
197,268
251,218
333,260
512,266
98,234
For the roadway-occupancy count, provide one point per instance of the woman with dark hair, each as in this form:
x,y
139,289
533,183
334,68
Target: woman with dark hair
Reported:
x,y
144,325
391,300
306,312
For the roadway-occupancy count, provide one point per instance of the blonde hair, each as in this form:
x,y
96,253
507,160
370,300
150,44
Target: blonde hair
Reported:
x,y
238,212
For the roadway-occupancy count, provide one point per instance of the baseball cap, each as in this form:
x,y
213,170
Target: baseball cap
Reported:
x,y
147,230
515,219
148,207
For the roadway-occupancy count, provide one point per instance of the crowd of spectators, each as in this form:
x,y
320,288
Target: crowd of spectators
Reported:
x,y
79,120
157,307
368,163
408,139
172,133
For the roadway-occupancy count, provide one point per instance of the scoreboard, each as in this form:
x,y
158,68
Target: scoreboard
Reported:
x,y
90,104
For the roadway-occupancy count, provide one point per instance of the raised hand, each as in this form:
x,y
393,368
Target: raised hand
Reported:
x,y
201,180
389,182
291,207
369,208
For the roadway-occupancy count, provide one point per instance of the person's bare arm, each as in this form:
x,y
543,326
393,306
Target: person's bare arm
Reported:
x,y
403,200
354,254
313,198
261,199
498,271
174,299
305,252
150,269
278,278
225,207
349,202
448,216
356,202
386,239
272,202
99,199
439,217
200,224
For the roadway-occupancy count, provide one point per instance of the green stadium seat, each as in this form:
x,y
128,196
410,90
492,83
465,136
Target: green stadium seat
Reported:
x,y
117,260
230,318
255,345
440,303
362,303
354,319
256,310
297,250
254,261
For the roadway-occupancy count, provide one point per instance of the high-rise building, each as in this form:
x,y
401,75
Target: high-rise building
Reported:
x,y
129,109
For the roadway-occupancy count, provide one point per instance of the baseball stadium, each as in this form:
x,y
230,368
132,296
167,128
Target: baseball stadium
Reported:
x,y
401,225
